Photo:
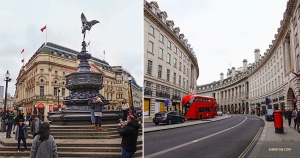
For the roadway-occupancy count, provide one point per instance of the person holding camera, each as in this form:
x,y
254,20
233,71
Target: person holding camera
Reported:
x,y
129,133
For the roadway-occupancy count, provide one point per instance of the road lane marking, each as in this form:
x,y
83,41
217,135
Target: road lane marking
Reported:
x,y
191,142
251,143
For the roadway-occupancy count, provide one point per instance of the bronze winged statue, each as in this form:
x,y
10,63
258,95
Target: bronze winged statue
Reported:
x,y
87,25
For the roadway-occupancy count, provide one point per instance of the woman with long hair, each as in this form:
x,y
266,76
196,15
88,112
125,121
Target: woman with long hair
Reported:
x,y
44,144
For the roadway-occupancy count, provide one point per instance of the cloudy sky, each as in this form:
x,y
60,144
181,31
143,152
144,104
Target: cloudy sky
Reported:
x,y
224,32
119,32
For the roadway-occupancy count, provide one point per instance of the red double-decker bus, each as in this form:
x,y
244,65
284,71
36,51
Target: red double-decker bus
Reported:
x,y
198,107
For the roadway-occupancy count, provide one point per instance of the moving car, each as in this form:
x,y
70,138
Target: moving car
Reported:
x,y
219,113
168,117
269,115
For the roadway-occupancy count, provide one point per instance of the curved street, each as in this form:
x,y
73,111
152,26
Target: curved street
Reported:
x,y
224,138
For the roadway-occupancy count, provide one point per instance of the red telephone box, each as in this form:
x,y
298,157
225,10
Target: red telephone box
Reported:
x,y
278,121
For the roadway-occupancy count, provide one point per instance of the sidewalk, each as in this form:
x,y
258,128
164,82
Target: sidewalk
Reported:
x,y
273,145
186,123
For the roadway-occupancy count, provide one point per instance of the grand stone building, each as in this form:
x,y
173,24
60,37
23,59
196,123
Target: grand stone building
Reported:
x,y
41,82
170,64
269,82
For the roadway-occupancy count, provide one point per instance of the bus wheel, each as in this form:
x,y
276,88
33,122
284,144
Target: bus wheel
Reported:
x,y
182,120
156,123
213,116
200,117
169,122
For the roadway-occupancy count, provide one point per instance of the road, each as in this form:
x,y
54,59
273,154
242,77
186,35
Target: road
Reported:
x,y
221,139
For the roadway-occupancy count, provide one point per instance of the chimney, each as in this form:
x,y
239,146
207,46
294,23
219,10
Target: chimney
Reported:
x,y
221,77
257,54
245,63
232,72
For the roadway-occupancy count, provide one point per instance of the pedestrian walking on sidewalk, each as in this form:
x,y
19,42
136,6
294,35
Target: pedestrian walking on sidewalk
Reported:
x,y
91,105
43,145
289,116
129,135
98,112
295,117
10,120
125,108
21,134
35,125
298,120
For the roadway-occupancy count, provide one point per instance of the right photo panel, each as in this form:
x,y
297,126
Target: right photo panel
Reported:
x,y
221,79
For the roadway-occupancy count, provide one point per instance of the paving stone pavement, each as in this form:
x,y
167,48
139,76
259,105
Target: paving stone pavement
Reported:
x,y
273,145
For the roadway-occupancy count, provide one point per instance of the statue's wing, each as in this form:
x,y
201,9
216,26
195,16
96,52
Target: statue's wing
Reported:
x,y
93,22
83,18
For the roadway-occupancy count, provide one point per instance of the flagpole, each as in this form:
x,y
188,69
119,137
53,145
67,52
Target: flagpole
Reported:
x,y
46,33
23,56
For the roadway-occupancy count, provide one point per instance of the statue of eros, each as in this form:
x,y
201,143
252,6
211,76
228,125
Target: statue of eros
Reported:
x,y
87,25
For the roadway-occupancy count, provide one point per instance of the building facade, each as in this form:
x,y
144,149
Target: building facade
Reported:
x,y
41,82
170,64
1,91
270,82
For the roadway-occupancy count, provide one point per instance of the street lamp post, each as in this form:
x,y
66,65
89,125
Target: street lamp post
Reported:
x,y
131,99
3,124
58,97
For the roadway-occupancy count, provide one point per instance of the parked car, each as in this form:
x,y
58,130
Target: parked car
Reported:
x,y
269,115
168,117
220,113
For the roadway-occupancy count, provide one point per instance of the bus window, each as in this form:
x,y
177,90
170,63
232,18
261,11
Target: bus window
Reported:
x,y
201,109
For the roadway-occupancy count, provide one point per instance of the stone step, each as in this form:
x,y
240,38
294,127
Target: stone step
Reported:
x,y
139,153
81,143
76,149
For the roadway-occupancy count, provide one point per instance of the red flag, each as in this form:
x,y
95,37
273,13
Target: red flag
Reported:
x,y
22,60
88,44
22,51
43,28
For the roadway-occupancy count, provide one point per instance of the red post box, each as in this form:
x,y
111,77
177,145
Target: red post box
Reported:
x,y
278,121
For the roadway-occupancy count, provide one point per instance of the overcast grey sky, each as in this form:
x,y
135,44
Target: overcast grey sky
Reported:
x,y
224,32
119,32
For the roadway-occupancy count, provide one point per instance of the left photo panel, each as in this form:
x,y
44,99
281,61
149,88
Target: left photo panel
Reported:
x,y
72,79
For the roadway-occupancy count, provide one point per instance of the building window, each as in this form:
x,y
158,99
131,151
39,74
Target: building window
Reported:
x,y
149,68
183,85
184,69
187,84
175,62
169,44
160,55
180,54
63,91
168,75
187,71
42,71
150,47
179,82
161,38
41,90
64,74
42,80
184,57
179,66
151,30
175,50
55,91
169,58
174,79
159,71
55,73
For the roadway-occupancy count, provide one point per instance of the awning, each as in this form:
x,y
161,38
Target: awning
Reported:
x,y
55,106
63,106
41,106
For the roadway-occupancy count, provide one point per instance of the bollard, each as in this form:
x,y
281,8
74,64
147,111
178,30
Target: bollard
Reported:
x,y
278,122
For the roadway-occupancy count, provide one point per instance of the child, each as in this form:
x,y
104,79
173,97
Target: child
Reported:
x,y
35,125
21,134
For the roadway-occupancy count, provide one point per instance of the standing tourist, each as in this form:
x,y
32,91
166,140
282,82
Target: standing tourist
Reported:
x,y
91,105
21,134
129,135
35,125
98,112
289,116
125,108
43,145
10,120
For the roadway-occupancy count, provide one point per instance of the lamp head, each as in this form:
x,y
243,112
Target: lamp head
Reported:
x,y
7,74
129,78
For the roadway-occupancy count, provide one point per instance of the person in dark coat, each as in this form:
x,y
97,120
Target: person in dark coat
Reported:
x,y
289,116
98,112
91,105
21,134
129,135
298,120
10,116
